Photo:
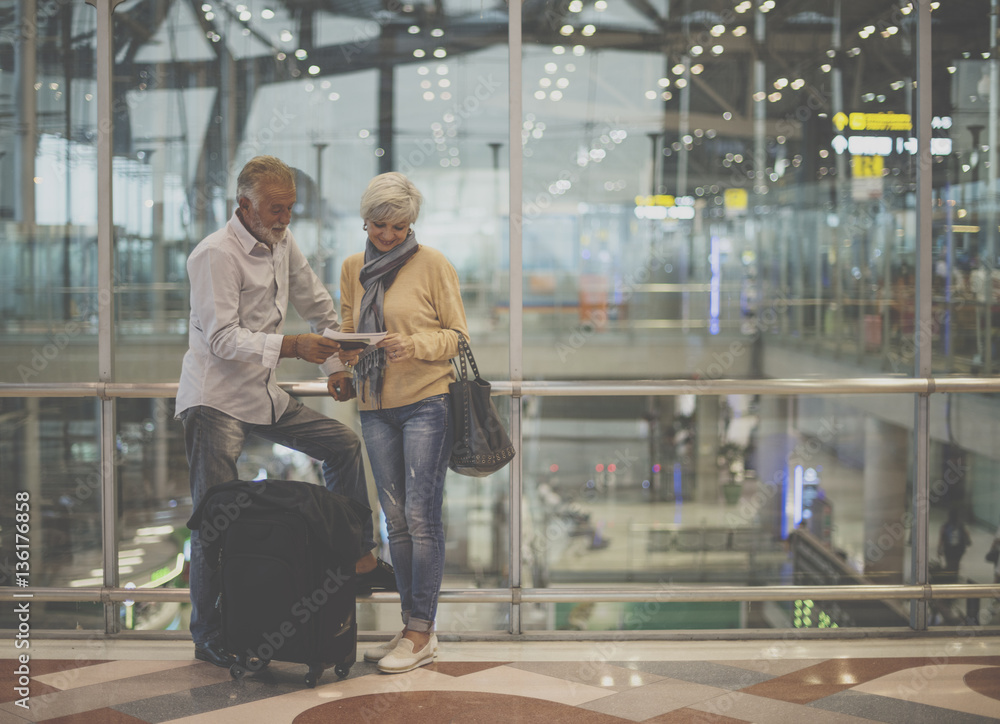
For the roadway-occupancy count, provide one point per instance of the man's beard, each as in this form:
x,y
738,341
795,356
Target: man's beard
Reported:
x,y
257,228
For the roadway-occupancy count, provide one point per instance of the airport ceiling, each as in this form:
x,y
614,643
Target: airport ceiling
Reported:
x,y
798,37
877,54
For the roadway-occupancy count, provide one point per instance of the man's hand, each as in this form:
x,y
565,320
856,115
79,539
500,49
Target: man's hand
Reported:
x,y
313,348
340,386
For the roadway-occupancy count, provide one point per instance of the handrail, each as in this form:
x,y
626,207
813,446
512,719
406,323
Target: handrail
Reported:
x,y
688,594
787,386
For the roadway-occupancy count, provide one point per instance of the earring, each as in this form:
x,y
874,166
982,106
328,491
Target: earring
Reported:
x,y
365,227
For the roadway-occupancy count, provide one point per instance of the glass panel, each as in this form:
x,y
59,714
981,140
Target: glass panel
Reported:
x,y
640,492
455,619
337,114
340,99
964,500
50,521
965,237
48,207
154,505
710,193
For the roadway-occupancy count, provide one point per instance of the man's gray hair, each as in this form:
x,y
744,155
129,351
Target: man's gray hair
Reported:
x,y
262,170
391,197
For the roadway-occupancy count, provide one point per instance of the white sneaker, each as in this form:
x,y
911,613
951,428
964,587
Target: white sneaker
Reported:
x,y
382,650
404,658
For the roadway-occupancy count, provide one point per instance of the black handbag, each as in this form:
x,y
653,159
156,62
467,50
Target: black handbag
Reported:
x,y
481,445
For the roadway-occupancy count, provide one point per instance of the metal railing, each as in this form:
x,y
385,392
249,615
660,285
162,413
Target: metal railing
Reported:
x,y
516,596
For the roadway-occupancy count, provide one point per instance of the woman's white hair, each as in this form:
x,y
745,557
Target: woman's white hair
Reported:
x,y
391,197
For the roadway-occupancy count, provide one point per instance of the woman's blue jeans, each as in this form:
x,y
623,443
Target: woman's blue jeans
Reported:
x,y
409,448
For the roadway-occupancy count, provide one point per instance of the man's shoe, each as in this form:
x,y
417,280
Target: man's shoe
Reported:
x,y
404,658
213,653
380,578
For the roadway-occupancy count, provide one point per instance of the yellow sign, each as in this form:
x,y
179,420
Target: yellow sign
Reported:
x,y
867,166
735,199
873,121
655,200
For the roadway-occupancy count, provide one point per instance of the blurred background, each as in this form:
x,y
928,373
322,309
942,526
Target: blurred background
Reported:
x,y
708,191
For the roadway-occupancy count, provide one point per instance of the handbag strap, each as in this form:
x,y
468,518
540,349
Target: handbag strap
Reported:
x,y
464,350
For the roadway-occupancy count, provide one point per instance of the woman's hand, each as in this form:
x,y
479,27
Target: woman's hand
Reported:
x,y
398,347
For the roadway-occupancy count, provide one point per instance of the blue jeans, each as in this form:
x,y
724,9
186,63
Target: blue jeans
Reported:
x,y
409,448
214,441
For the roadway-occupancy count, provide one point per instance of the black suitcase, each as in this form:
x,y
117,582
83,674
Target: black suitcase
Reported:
x,y
284,588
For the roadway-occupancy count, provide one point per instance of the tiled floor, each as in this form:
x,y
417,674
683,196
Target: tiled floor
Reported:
x,y
909,681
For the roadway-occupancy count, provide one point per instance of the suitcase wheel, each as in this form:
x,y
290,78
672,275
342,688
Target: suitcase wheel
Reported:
x,y
315,671
342,670
255,664
242,665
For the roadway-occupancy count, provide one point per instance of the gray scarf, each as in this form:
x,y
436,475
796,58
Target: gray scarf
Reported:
x,y
377,275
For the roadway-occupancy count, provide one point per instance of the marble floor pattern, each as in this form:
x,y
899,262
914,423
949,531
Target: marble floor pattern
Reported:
x,y
906,681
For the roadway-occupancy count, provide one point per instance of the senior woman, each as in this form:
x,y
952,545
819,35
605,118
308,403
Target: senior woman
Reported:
x,y
410,291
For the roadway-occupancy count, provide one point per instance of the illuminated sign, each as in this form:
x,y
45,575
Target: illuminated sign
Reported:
x,y
867,166
886,145
663,212
655,200
884,122
735,199
664,206
873,121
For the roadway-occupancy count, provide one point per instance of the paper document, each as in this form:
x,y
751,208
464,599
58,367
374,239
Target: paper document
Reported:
x,y
354,340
